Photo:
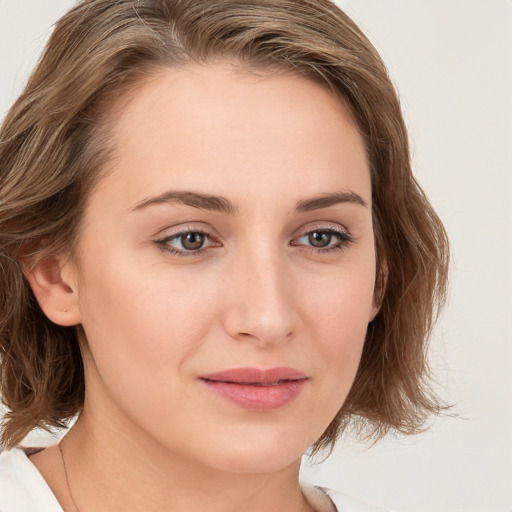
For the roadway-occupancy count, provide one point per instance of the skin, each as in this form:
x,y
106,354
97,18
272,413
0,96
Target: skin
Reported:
x,y
152,436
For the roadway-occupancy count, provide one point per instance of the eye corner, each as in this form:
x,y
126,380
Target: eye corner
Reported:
x,y
164,242
343,236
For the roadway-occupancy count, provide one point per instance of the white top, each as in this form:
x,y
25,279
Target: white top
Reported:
x,y
23,489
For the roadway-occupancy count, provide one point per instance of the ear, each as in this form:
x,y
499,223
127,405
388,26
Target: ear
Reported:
x,y
381,280
53,281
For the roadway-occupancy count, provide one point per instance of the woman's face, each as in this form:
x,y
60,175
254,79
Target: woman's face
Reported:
x,y
226,268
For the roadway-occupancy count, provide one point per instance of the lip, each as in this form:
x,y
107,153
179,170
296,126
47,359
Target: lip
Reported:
x,y
257,389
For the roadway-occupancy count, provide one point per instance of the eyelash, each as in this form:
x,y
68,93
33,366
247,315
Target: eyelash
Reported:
x,y
345,239
163,243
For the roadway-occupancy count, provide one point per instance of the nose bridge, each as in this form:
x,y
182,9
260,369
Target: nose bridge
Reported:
x,y
261,306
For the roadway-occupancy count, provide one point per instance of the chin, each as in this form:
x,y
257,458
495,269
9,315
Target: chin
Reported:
x,y
261,453
258,461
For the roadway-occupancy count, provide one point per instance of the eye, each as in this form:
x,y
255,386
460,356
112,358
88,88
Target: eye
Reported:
x,y
320,238
186,243
324,239
192,241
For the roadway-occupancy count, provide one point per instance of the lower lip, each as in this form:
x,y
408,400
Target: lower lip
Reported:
x,y
258,398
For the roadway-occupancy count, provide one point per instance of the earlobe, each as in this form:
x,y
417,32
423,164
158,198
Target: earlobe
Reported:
x,y
52,283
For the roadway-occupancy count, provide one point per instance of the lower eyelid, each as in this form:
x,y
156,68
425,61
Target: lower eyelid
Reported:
x,y
343,239
164,242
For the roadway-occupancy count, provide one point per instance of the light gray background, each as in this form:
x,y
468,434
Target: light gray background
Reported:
x,y
452,63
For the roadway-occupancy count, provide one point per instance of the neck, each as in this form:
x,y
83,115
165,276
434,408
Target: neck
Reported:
x,y
116,470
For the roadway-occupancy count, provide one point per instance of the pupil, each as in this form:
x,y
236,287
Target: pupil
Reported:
x,y
192,241
320,239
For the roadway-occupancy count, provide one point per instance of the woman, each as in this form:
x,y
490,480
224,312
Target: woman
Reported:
x,y
214,252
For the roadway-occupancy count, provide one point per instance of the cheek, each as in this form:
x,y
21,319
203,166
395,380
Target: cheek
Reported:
x,y
146,324
143,328
340,302
336,310
335,318
147,310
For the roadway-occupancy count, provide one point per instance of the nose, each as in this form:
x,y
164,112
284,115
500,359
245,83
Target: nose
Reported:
x,y
261,304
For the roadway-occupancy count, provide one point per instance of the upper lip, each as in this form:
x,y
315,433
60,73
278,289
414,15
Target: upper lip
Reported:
x,y
252,375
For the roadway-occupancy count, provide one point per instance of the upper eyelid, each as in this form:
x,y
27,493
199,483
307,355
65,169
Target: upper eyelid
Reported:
x,y
322,226
166,235
327,230
168,232
344,236
164,240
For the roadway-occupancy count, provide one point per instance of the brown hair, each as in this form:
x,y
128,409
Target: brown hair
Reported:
x,y
54,143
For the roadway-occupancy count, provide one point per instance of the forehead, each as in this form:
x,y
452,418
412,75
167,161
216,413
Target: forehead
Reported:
x,y
216,125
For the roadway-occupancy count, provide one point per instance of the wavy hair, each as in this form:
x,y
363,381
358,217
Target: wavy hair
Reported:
x,y
54,144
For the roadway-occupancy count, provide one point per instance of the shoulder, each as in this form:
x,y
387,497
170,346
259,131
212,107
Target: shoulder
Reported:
x,y
22,488
328,500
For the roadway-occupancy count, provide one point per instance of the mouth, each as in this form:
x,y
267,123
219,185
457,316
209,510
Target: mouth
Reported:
x,y
261,384
255,389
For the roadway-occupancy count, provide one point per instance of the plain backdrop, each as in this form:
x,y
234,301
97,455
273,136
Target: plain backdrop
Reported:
x,y
452,63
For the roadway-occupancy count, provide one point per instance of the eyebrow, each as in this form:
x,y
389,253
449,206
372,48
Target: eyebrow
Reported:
x,y
200,201
223,205
324,201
